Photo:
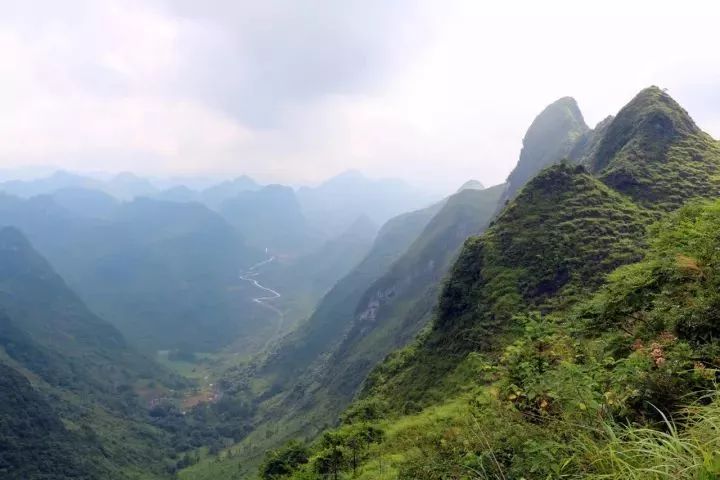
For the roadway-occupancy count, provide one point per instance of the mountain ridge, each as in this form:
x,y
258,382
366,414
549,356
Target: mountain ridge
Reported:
x,y
506,348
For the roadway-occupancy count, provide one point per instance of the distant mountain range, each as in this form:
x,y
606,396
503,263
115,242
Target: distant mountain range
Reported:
x,y
325,211
162,272
332,205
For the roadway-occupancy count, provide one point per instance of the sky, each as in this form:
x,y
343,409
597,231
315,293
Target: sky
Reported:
x,y
295,91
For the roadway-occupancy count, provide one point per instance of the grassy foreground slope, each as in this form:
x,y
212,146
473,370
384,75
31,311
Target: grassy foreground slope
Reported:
x,y
584,392
537,359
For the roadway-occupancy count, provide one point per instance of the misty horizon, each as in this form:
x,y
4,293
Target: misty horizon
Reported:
x,y
433,95
200,182
359,239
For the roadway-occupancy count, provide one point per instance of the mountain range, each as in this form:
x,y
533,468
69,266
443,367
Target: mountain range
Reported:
x,y
557,325
531,338
579,205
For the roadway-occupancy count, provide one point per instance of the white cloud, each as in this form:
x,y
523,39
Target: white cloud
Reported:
x,y
435,93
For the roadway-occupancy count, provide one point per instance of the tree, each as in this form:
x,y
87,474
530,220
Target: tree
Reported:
x,y
283,461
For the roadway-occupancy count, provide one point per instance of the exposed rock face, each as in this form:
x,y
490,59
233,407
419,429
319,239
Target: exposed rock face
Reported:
x,y
550,138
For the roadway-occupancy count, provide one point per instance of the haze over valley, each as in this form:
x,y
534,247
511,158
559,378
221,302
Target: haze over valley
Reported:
x,y
359,240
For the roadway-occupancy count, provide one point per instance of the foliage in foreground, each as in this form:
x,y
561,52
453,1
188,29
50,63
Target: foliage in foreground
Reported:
x,y
689,449
586,392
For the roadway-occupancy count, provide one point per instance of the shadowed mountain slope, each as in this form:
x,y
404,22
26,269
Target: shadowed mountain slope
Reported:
x,y
162,272
549,139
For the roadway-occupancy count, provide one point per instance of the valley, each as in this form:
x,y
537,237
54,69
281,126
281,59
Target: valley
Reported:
x,y
546,251
265,301
486,316
359,240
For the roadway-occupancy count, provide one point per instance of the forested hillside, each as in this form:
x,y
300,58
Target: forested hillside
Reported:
x,y
166,274
33,441
82,417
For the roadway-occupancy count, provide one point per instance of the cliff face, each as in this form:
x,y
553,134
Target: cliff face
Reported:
x,y
550,138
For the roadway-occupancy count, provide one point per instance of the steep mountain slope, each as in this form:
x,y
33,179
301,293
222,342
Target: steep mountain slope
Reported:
x,y
85,376
165,273
401,302
549,139
534,349
542,224
554,242
566,229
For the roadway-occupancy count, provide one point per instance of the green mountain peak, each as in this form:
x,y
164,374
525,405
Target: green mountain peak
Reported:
x,y
653,152
652,115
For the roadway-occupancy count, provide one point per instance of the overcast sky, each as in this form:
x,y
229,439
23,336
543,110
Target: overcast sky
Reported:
x,y
294,91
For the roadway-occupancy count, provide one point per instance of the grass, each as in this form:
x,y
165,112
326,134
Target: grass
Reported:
x,y
686,450
404,437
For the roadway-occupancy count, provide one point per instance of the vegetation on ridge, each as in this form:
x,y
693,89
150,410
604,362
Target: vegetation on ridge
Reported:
x,y
541,365
579,393
552,244
653,152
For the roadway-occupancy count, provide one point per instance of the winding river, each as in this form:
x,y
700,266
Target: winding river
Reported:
x,y
264,300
